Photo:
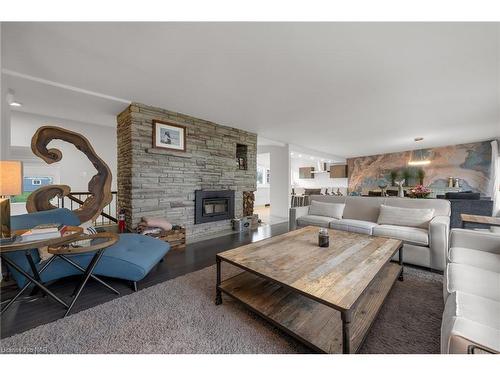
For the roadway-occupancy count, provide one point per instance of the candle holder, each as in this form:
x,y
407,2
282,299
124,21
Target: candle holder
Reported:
x,y
323,238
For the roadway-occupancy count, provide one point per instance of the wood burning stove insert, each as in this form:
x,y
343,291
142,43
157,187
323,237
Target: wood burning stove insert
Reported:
x,y
213,205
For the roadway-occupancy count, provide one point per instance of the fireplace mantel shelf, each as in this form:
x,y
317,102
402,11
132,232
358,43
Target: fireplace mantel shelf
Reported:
x,y
170,153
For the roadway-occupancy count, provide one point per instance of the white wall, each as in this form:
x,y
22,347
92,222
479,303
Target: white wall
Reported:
x,y
4,109
74,169
280,178
263,193
495,178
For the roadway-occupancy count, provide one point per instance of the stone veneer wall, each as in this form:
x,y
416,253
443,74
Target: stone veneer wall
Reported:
x,y
161,183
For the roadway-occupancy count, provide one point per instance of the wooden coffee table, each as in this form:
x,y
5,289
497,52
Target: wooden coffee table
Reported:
x,y
327,298
479,219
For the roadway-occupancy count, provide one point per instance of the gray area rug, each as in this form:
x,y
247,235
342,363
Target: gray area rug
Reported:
x,y
179,316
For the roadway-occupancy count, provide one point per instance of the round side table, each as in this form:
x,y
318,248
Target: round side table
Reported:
x,y
19,244
84,243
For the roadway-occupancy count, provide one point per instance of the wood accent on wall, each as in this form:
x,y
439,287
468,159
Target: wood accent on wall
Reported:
x,y
338,171
306,172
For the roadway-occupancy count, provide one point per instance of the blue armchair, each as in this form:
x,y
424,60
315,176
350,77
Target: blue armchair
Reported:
x,y
131,258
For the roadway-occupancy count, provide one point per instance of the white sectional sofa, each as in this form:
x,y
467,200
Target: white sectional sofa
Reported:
x,y
425,241
471,318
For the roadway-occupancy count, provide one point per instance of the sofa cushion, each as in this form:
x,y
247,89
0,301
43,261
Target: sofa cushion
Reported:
x,y
470,317
412,235
409,217
473,280
356,226
333,210
362,208
132,257
416,254
320,221
476,258
441,207
57,215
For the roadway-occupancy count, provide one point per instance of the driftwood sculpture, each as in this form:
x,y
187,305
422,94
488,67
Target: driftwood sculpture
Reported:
x,y
99,185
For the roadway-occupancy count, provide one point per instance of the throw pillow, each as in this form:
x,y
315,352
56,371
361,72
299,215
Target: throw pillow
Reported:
x,y
88,228
334,210
157,222
407,217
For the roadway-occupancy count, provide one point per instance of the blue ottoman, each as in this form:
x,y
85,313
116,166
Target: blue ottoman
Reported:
x,y
131,258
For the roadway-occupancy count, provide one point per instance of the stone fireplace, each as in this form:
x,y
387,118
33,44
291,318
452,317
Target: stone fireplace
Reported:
x,y
164,183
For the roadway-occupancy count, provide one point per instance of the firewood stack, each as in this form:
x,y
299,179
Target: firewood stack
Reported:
x,y
248,201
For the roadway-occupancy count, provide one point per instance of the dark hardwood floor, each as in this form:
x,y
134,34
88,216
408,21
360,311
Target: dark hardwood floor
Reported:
x,y
24,315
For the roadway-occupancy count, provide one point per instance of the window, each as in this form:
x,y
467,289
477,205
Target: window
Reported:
x,y
30,184
263,175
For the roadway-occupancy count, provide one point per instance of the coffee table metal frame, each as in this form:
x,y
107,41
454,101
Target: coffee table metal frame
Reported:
x,y
346,315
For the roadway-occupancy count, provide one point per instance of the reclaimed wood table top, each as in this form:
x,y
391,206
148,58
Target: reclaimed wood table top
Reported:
x,y
478,219
336,276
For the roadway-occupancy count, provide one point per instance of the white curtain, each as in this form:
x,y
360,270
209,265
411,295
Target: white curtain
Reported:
x,y
495,178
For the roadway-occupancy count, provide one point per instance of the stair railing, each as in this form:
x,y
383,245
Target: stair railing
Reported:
x,y
74,200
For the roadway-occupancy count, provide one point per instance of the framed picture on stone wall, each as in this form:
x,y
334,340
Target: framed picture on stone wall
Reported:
x,y
169,135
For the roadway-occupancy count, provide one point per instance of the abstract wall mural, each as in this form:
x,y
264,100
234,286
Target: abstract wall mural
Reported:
x,y
470,163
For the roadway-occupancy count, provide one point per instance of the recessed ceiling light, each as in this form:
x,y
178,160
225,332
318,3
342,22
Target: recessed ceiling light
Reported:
x,y
300,155
16,104
311,157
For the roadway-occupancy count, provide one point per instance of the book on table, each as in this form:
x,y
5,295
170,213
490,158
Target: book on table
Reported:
x,y
34,234
46,228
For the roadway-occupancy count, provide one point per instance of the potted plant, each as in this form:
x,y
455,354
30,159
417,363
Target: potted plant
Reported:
x,y
406,175
420,175
419,191
393,175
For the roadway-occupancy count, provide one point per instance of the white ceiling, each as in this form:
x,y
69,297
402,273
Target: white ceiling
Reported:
x,y
344,88
52,101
